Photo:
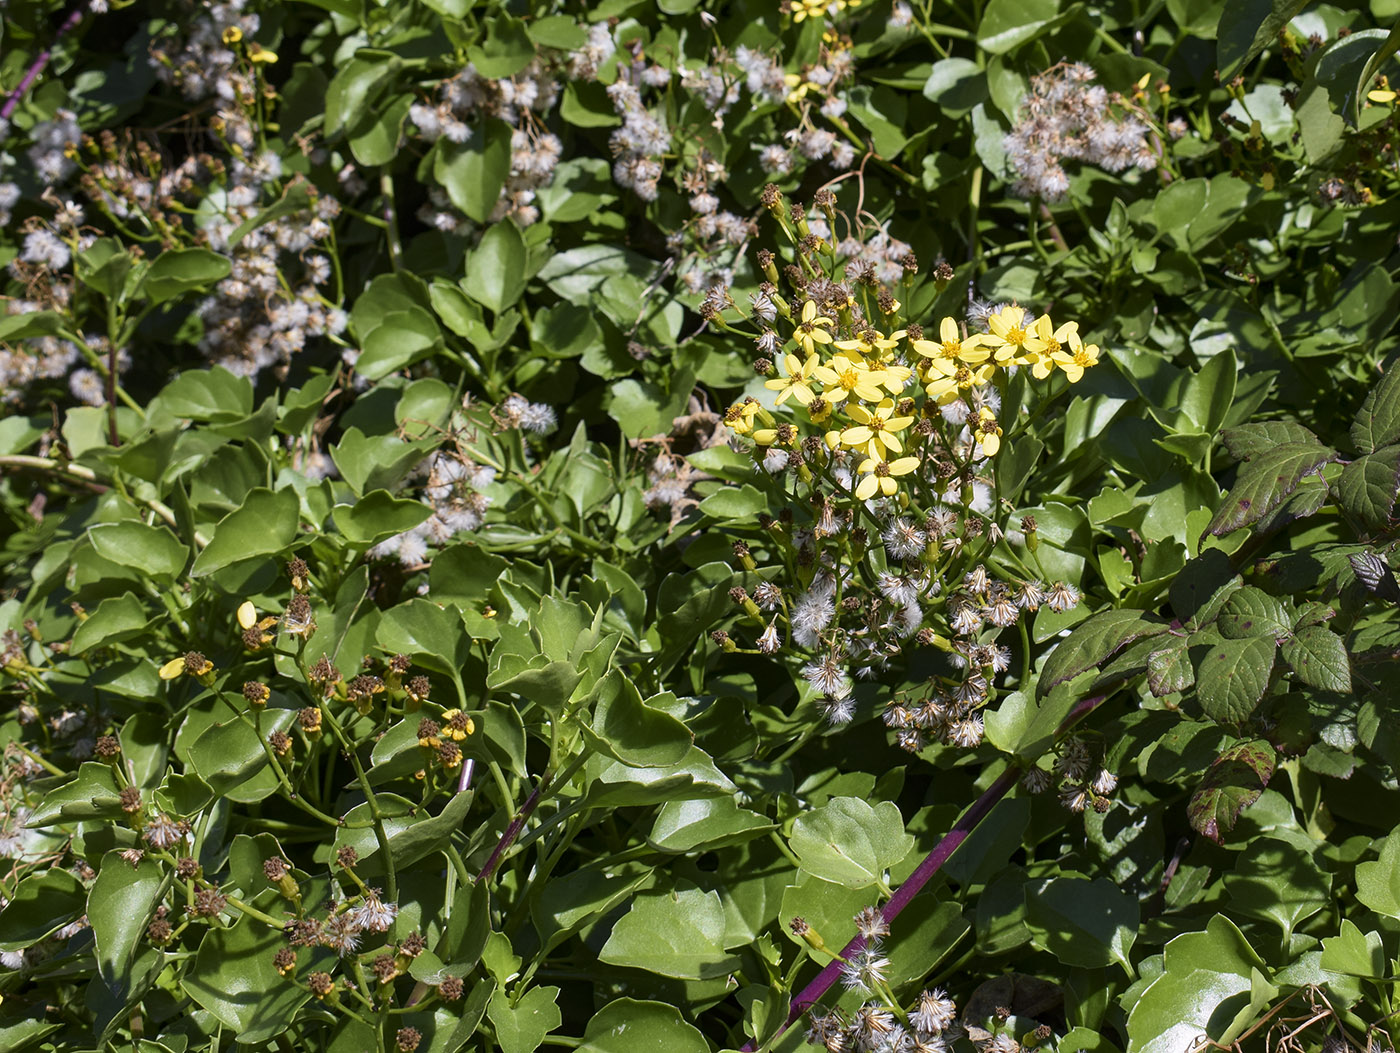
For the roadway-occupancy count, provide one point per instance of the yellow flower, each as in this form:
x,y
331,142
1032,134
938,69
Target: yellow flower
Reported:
x,y
192,663
797,87
952,348
798,381
810,331
987,432
881,350
1011,337
1078,358
232,35
848,374
805,9
947,388
740,416
260,54
456,725
876,430
880,475
1042,363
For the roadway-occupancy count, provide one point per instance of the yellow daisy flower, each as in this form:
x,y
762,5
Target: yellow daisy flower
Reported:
x,y
877,430
963,378
1077,358
1012,339
740,416
848,374
811,329
1042,363
797,383
987,432
880,475
805,9
951,347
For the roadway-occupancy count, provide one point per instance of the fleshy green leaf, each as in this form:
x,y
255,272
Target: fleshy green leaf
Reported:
x,y
41,902
849,842
522,1023
1080,922
265,524
626,1025
152,550
1378,881
678,933
120,903
378,515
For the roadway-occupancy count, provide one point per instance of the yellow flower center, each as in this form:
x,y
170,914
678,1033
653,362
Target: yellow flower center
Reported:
x,y
963,377
1016,336
1051,346
850,378
1081,359
951,348
877,422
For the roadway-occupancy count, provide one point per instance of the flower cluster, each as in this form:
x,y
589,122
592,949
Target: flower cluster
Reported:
x,y
1066,116
879,1025
889,433
1083,784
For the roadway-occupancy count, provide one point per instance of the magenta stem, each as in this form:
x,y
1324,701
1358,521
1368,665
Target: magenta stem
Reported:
x,y
960,832
513,830
37,66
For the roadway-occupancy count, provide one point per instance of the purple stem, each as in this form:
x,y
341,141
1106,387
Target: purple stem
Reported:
x,y
513,830
37,66
960,832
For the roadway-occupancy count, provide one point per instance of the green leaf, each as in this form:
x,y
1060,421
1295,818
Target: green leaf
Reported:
x,y
1233,782
1007,24
400,339
849,842
625,1025
1369,487
208,395
1249,440
522,1022
152,550
1201,970
117,618
1091,644
1253,612
1319,658
90,794
1169,671
1378,881
264,525
421,629
231,759
235,980
474,173
354,89
378,515
120,903
956,85
557,31
41,903
178,271
1209,393
627,729
1264,482
1232,677
1279,882
1354,953
731,503
377,141
495,275
1086,923
704,824
1246,28
1340,66
506,51
678,933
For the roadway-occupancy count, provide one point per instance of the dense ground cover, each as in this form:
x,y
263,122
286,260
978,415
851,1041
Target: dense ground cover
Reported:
x,y
699,526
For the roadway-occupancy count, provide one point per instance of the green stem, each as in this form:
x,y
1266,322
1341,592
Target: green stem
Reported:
x,y
391,879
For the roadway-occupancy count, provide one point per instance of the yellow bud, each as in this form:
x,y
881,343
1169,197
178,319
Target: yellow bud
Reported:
x,y
261,55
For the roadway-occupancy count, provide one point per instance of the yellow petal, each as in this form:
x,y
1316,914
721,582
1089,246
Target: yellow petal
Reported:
x,y
867,487
173,668
247,614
